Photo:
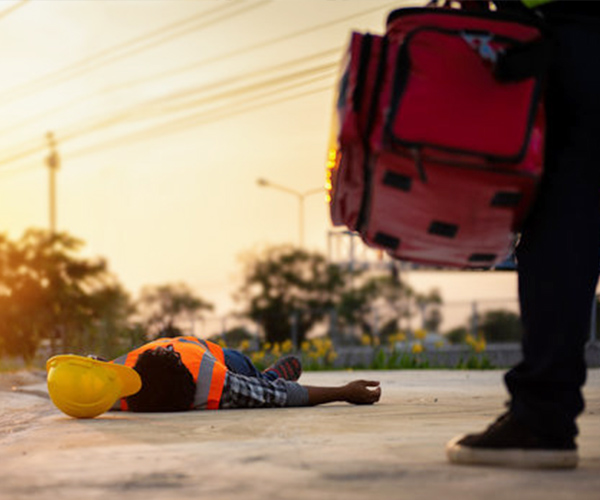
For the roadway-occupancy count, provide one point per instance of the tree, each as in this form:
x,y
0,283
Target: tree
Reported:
x,y
457,335
285,288
234,337
162,308
376,304
383,304
501,326
429,308
48,292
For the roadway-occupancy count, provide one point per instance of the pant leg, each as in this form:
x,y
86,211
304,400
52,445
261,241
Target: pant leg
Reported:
x,y
559,252
239,363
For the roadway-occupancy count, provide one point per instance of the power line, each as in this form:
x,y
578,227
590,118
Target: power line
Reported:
x,y
221,57
198,64
248,89
195,90
106,56
103,122
13,8
224,111
298,78
179,124
191,122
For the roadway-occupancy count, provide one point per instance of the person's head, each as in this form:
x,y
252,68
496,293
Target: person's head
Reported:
x,y
167,384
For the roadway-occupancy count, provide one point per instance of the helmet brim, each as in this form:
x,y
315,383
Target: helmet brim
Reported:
x,y
128,379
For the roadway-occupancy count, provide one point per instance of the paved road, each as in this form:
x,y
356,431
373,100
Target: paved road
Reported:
x,y
393,450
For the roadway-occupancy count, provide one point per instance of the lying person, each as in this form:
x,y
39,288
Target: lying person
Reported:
x,y
187,373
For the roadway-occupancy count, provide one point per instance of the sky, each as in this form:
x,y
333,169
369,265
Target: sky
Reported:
x,y
165,114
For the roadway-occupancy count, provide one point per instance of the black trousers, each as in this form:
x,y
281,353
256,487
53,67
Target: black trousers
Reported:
x,y
559,251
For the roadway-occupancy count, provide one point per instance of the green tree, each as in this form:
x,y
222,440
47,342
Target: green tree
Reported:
x,y
501,326
48,292
457,335
428,305
234,337
285,287
355,307
163,308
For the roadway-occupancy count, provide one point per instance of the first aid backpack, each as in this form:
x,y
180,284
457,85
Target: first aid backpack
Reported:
x,y
439,137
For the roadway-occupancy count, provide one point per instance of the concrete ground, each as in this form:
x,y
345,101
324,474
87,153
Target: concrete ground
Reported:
x,y
393,450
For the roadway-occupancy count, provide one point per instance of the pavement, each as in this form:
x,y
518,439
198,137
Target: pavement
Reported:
x,y
392,450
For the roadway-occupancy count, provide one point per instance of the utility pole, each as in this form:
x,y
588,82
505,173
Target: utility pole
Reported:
x,y
53,163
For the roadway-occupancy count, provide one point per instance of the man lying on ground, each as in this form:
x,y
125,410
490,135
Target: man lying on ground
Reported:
x,y
187,373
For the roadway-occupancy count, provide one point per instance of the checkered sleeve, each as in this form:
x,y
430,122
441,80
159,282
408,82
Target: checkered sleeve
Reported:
x,y
240,391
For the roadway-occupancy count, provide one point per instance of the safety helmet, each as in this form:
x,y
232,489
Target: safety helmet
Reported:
x,y
85,388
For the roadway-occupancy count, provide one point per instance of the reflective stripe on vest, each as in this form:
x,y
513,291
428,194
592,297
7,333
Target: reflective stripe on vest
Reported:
x,y
204,359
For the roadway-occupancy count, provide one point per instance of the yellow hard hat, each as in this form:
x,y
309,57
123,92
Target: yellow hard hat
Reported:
x,y
85,388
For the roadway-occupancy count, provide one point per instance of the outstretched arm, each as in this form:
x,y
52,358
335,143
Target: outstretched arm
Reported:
x,y
358,392
241,391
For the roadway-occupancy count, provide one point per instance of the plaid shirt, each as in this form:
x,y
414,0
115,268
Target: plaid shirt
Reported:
x,y
240,391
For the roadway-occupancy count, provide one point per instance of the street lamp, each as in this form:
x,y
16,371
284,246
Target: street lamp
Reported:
x,y
299,195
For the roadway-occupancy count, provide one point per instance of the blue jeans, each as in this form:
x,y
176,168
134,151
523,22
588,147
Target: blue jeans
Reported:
x,y
240,363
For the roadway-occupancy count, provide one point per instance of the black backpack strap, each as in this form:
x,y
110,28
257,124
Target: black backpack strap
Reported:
x,y
522,61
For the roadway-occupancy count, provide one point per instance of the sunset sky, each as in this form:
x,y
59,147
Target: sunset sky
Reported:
x,y
166,112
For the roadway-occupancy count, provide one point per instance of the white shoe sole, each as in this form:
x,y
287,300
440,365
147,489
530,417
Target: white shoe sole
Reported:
x,y
518,458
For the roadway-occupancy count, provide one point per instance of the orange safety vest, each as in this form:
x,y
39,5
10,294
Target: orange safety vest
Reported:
x,y
204,359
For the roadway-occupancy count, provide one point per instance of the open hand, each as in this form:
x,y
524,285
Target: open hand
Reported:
x,y
361,392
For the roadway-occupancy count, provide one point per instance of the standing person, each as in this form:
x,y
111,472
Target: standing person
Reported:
x,y
558,261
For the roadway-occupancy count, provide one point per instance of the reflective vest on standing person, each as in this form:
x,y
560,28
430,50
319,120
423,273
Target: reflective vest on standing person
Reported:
x,y
204,359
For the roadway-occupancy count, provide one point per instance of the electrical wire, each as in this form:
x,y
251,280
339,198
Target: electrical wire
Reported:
x,y
13,8
201,63
199,117
161,130
96,124
107,56
195,90
230,108
79,130
191,122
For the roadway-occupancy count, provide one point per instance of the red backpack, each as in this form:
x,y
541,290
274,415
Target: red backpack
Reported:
x,y
440,135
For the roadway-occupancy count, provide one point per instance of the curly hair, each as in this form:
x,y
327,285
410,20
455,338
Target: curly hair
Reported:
x,y
167,384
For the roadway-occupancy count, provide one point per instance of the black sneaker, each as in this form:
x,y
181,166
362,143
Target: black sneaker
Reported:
x,y
509,443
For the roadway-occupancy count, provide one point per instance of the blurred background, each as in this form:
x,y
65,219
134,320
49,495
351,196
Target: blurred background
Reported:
x,y
162,167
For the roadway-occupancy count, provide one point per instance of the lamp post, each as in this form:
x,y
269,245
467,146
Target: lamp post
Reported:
x,y
299,195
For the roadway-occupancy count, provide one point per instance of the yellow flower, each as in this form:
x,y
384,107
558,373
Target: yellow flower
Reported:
x,y
480,345
470,340
244,345
276,351
399,337
420,334
439,344
287,346
257,357
331,356
305,346
417,348
365,340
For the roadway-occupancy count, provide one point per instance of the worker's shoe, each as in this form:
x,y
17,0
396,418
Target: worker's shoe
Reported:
x,y
288,368
509,443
